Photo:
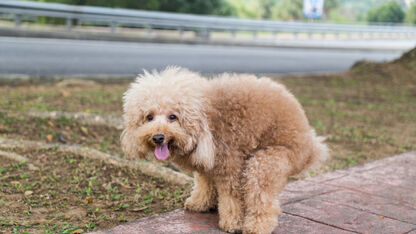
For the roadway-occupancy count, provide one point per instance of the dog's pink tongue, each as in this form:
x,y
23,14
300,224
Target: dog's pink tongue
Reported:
x,y
162,152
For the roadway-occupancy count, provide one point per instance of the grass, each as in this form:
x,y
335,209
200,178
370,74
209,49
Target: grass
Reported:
x,y
61,130
70,192
366,114
90,99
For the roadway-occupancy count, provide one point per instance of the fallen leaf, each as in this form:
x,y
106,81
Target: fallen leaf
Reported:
x,y
139,209
28,193
78,231
84,130
88,111
89,200
49,137
127,186
14,182
381,217
51,124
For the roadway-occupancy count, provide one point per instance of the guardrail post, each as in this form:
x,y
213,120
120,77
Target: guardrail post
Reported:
x,y
17,20
203,34
233,34
274,35
254,35
180,31
68,24
149,30
206,34
113,27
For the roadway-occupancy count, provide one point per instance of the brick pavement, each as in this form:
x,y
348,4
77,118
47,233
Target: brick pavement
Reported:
x,y
378,197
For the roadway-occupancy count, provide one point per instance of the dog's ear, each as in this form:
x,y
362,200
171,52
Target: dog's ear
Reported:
x,y
130,145
204,154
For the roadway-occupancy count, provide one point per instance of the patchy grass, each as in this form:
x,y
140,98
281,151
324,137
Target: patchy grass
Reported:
x,y
73,193
90,99
367,113
61,130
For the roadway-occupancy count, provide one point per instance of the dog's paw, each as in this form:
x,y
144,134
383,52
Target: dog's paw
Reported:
x,y
230,225
197,205
261,225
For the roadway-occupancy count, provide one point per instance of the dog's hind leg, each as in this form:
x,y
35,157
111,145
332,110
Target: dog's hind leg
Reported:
x,y
230,204
265,176
203,196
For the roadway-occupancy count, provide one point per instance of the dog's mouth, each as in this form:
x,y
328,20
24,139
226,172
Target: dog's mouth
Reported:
x,y
162,151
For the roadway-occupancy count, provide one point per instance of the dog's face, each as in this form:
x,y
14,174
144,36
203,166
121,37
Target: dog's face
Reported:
x,y
161,130
164,117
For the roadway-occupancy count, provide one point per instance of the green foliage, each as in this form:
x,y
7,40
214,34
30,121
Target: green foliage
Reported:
x,y
389,12
330,5
288,10
219,7
245,9
266,8
334,10
411,14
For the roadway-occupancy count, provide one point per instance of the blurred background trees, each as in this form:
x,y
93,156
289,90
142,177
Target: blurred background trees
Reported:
x,y
340,11
411,14
390,12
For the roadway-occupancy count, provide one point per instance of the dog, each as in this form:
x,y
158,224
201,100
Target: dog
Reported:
x,y
240,135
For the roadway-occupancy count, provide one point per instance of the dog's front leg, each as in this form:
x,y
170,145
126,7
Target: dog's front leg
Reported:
x,y
230,203
203,196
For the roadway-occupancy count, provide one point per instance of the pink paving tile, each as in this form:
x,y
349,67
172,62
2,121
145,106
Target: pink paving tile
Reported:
x,y
300,190
377,188
328,176
378,197
376,205
295,224
178,221
346,218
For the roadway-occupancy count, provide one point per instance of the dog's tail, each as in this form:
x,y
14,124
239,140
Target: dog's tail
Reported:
x,y
319,154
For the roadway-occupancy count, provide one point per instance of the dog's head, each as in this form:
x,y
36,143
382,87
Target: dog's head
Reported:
x,y
164,115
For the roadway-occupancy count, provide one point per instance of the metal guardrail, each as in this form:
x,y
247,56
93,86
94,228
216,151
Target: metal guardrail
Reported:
x,y
150,19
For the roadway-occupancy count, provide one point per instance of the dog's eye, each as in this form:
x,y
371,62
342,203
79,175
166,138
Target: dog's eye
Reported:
x,y
149,117
172,117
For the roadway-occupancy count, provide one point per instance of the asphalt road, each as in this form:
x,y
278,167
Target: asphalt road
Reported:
x,y
43,57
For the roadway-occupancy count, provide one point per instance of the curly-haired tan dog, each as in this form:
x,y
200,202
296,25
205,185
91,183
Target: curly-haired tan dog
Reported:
x,y
242,136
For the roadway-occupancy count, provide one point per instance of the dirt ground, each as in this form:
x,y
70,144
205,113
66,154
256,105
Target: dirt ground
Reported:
x,y
366,114
71,193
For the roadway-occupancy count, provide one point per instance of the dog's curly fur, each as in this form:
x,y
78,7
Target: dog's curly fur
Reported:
x,y
242,136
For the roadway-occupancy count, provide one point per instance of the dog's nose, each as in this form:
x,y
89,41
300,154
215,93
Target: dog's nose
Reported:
x,y
158,138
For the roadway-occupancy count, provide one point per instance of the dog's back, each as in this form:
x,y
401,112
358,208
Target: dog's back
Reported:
x,y
252,113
